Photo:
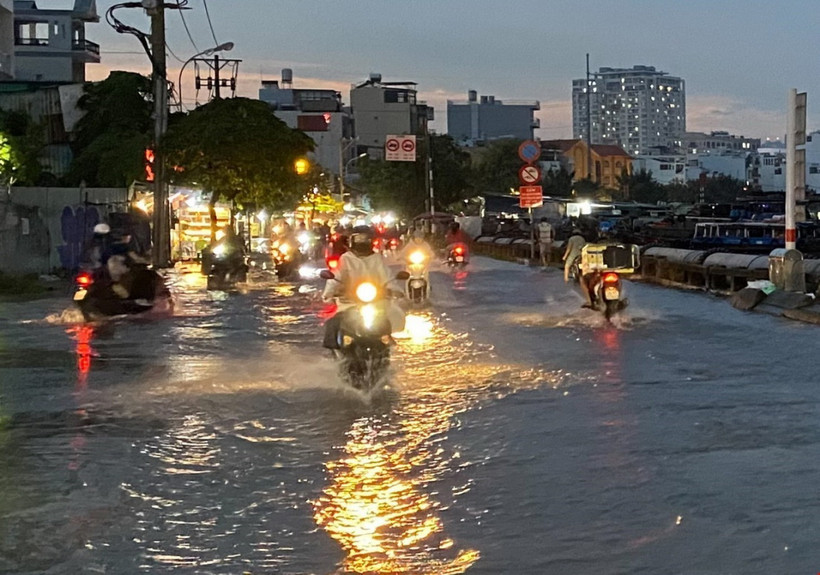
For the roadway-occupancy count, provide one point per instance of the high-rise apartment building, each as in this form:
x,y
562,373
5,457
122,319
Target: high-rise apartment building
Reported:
x,y
639,108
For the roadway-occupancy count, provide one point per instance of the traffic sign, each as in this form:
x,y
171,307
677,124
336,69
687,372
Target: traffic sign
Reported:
x,y
529,174
400,148
530,196
529,151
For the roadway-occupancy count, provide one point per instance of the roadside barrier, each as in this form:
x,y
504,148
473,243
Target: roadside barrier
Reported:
x,y
717,272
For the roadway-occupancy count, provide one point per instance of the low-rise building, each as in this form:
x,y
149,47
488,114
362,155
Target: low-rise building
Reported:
x,y
317,112
602,163
50,45
480,120
382,108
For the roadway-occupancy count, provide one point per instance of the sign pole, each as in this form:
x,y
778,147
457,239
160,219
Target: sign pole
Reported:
x,y
532,237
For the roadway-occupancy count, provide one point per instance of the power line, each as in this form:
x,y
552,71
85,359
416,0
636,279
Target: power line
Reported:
x,y
205,3
187,31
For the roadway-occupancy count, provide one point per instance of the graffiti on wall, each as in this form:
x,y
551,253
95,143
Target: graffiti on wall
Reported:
x,y
76,227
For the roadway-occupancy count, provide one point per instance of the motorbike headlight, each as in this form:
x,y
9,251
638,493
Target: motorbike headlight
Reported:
x,y
284,248
369,313
366,292
417,258
219,250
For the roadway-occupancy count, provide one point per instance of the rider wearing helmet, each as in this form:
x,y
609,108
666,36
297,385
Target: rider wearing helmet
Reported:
x,y
360,263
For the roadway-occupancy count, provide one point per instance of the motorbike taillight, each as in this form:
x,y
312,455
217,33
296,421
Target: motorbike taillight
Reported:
x,y
333,263
610,278
84,279
459,250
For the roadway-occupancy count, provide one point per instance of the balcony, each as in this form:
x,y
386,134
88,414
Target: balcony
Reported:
x,y
85,51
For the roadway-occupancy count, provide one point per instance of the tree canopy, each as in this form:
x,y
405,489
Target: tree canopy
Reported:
x,y
111,137
237,149
496,171
402,186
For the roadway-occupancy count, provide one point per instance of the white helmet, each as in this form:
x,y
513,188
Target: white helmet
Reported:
x,y
102,229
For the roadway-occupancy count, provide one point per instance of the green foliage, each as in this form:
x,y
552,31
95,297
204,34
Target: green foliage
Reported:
x,y
111,137
497,169
236,148
720,189
557,184
452,172
641,187
393,186
20,143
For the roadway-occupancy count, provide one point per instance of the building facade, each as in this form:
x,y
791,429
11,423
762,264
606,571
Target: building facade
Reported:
x,y
386,108
318,113
638,109
485,119
700,142
50,45
602,163
6,39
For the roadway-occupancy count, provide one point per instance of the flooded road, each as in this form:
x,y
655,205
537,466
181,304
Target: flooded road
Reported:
x,y
518,433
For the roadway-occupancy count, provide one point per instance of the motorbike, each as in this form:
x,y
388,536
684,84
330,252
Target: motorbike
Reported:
x,y
458,255
417,287
98,296
362,333
227,268
606,293
286,258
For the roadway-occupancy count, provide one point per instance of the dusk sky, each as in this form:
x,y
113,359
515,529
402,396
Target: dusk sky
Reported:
x,y
738,58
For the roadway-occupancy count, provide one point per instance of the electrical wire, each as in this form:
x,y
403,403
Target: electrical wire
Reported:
x,y
184,23
208,14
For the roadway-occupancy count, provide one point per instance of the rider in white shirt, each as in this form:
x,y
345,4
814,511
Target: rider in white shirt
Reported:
x,y
360,263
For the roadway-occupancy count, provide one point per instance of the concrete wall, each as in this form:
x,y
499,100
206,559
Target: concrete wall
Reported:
x,y
69,216
24,239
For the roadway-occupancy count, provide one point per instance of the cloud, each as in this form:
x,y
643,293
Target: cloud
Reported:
x,y
711,113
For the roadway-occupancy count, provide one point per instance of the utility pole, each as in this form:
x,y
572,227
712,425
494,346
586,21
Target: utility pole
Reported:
x,y
589,128
161,236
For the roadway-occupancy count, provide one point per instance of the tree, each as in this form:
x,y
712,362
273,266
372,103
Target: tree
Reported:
x,y
20,143
111,137
237,149
497,169
557,183
452,171
641,187
393,186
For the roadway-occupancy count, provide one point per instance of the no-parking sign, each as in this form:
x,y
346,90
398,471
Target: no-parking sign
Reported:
x,y
400,148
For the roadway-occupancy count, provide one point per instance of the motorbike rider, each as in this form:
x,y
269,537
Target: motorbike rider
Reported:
x,y
99,247
360,263
417,243
455,235
572,252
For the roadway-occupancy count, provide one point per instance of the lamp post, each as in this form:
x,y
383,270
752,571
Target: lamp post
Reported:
x,y
224,47
344,172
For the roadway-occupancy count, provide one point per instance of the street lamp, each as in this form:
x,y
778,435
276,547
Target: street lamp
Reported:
x,y
224,47
344,171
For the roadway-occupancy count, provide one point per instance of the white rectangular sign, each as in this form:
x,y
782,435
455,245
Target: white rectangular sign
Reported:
x,y
400,148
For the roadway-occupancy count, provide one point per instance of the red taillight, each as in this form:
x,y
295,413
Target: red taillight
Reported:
x,y
376,243
394,242
459,250
333,262
610,278
84,279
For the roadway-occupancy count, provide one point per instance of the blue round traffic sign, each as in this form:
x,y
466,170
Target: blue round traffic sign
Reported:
x,y
529,151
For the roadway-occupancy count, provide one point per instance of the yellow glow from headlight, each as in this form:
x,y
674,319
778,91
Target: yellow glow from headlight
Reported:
x,y
284,248
219,250
369,313
219,235
417,329
366,292
417,257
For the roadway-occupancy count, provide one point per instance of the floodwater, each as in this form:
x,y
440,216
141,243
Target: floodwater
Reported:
x,y
516,433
